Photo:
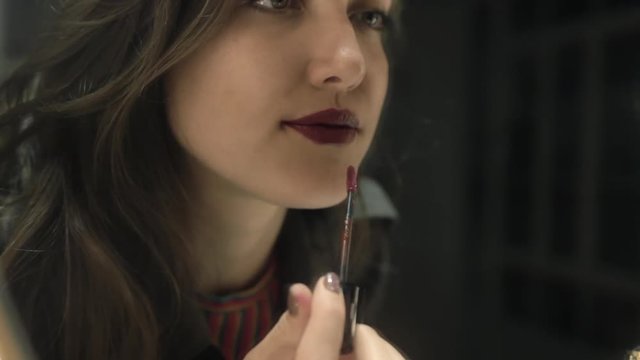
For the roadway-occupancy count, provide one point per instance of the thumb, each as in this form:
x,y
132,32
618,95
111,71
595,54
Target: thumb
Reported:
x,y
324,332
282,341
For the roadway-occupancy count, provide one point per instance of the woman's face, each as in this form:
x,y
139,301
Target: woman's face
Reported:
x,y
230,103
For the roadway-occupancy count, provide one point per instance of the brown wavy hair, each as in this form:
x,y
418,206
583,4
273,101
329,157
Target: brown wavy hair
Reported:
x,y
91,177
97,238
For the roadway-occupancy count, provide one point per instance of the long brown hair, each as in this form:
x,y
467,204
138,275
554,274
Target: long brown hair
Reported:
x,y
92,177
97,239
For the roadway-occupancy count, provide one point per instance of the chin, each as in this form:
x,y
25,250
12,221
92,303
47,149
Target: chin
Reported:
x,y
319,202
312,196
314,201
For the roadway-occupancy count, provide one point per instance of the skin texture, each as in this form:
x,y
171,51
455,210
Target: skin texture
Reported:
x,y
225,105
226,102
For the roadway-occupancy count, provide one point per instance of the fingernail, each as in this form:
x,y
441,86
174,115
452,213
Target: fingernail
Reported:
x,y
332,282
292,304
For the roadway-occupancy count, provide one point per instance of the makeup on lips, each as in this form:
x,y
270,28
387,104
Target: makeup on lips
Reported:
x,y
331,126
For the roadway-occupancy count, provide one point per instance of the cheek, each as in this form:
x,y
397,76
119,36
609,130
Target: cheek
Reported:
x,y
378,81
207,95
377,67
381,70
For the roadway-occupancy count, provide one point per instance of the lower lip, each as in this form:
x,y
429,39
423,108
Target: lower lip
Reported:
x,y
326,134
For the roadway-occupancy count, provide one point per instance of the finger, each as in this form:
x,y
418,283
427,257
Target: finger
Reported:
x,y
291,325
369,344
297,314
393,351
281,342
323,336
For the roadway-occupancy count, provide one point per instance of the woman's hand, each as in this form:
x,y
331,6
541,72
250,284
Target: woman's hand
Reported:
x,y
369,345
312,328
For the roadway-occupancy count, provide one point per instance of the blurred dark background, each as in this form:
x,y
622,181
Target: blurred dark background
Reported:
x,y
515,128
511,147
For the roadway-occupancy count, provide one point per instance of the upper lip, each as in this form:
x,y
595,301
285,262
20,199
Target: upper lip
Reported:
x,y
328,117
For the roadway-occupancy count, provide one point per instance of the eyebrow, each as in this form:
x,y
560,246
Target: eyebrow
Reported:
x,y
392,5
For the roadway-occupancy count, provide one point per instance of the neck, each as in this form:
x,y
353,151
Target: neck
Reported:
x,y
232,234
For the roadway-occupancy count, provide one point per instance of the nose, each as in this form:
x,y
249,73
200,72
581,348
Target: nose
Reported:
x,y
336,62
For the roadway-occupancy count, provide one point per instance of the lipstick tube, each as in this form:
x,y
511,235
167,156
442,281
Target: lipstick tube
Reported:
x,y
351,294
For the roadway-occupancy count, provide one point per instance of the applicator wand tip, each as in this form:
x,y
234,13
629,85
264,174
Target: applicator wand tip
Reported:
x,y
352,179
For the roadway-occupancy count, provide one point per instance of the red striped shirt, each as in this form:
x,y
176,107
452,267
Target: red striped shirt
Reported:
x,y
239,321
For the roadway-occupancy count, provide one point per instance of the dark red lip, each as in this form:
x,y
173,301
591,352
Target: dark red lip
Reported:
x,y
330,126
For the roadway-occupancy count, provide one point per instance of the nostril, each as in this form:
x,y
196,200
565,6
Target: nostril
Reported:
x,y
332,79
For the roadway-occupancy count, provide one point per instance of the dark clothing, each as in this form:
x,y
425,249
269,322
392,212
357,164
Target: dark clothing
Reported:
x,y
210,353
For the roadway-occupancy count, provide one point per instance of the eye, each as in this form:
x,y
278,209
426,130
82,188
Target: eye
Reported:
x,y
276,5
374,19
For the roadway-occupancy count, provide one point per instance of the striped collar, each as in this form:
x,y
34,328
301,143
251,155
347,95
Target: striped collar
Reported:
x,y
239,321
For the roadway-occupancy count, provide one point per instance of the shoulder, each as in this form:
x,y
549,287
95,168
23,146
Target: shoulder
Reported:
x,y
374,202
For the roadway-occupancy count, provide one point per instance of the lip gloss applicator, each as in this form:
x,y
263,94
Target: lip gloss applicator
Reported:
x,y
351,291
352,187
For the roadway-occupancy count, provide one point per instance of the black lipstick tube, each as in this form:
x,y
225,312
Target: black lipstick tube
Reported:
x,y
351,294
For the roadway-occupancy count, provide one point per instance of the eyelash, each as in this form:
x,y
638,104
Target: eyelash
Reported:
x,y
362,16
383,18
